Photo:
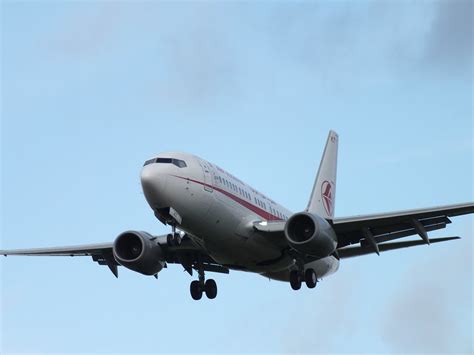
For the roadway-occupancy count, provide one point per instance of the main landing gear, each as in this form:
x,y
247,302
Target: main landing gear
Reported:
x,y
298,276
198,287
173,239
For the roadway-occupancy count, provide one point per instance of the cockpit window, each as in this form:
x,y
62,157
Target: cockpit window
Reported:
x,y
179,163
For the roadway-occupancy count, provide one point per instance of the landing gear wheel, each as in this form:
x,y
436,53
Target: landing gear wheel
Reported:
x,y
169,240
310,278
210,287
173,240
196,290
177,239
295,280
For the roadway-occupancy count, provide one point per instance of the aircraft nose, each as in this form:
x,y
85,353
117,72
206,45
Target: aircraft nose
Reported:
x,y
154,186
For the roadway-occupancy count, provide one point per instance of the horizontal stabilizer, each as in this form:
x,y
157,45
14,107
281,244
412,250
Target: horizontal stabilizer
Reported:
x,y
350,252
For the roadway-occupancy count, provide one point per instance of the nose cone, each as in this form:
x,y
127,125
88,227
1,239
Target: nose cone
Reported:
x,y
154,186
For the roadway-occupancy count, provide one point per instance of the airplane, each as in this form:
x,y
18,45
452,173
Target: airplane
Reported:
x,y
219,223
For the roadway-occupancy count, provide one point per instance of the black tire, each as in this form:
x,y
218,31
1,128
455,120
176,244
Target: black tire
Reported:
x,y
295,280
210,288
310,278
169,240
196,290
177,239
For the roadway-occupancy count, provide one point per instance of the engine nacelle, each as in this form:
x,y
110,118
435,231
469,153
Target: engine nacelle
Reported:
x,y
138,252
310,234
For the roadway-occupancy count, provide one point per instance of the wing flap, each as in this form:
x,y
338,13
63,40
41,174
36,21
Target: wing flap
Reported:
x,y
350,252
405,233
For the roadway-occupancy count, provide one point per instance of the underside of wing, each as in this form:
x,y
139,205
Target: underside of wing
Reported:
x,y
100,253
350,252
373,232
76,250
379,228
188,254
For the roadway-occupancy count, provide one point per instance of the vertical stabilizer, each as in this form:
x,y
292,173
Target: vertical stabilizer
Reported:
x,y
323,197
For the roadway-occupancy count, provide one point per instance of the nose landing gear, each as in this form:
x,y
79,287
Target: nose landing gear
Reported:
x,y
198,287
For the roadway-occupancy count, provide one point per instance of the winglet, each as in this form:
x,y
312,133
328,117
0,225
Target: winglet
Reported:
x,y
323,197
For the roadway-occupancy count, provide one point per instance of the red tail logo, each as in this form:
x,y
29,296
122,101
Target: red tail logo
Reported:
x,y
327,195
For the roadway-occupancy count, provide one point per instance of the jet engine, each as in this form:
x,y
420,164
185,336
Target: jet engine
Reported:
x,y
138,251
310,234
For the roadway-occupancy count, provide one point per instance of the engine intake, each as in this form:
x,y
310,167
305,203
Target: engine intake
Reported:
x,y
138,251
310,234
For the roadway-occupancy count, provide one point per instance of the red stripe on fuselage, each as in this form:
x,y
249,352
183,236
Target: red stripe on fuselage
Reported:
x,y
261,212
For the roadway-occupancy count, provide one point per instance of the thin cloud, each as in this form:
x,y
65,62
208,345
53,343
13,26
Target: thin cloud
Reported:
x,y
450,42
423,316
88,30
198,59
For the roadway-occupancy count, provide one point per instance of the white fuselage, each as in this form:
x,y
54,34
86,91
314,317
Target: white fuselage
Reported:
x,y
218,211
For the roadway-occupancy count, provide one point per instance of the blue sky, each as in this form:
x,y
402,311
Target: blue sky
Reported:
x,y
90,90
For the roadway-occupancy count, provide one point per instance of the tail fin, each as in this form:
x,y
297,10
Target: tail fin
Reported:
x,y
323,197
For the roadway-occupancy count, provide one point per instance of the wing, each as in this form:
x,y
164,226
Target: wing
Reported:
x,y
100,253
350,252
186,254
374,229
75,250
